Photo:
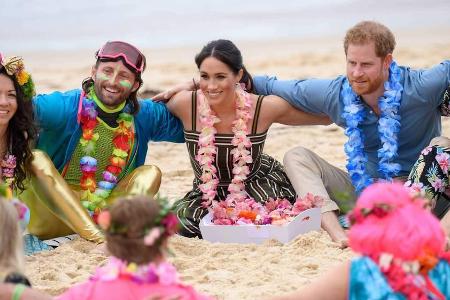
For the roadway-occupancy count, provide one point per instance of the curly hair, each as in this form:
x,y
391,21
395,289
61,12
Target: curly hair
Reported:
x,y
370,31
135,214
132,99
22,132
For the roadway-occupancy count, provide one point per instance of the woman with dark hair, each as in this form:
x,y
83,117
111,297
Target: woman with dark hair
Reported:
x,y
17,128
225,128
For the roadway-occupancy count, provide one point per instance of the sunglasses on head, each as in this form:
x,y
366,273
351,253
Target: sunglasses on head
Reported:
x,y
116,49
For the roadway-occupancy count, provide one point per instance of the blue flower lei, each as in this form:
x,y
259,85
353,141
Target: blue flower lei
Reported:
x,y
388,128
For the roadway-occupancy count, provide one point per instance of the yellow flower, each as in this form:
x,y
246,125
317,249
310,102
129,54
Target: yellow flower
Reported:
x,y
22,77
132,267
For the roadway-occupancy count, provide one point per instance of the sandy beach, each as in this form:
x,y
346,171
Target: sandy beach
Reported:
x,y
227,271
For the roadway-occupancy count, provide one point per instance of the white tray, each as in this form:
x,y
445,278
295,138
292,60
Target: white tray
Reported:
x,y
306,221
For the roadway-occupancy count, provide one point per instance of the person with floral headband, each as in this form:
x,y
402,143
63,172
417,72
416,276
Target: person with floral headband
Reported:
x,y
17,131
92,145
225,129
400,257
17,126
137,231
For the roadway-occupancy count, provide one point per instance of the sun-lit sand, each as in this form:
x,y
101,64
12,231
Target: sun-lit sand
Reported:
x,y
228,271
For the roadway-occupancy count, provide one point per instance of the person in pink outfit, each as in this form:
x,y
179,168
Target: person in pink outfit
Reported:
x,y
402,251
136,236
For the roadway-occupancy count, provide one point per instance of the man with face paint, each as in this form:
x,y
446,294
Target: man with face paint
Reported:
x,y
92,146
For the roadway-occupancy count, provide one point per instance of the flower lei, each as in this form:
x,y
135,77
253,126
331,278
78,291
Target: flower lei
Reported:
x,y
410,277
388,128
14,66
95,195
163,273
207,151
8,165
238,207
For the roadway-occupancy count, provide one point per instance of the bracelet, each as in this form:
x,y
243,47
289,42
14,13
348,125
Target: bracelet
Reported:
x,y
18,291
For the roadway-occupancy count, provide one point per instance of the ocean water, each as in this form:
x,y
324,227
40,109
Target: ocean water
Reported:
x,y
85,24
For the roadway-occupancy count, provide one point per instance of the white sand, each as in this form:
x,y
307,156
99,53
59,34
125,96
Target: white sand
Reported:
x,y
227,271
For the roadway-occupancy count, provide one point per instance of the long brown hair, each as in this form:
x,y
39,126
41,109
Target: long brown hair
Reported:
x,y
22,132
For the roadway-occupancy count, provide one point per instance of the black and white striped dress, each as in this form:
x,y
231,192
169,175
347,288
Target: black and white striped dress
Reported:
x,y
267,178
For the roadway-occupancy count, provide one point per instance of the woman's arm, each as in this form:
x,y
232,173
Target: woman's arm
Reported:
x,y
333,285
180,105
11,291
277,110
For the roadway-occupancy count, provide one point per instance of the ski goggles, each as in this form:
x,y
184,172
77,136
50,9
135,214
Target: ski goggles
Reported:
x,y
130,54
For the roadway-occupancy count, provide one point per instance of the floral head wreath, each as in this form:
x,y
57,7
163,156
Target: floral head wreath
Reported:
x,y
380,210
14,66
165,223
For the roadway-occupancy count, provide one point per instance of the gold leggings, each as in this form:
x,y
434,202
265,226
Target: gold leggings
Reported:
x,y
56,209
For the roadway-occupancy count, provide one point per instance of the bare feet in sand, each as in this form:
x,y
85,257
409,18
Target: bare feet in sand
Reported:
x,y
331,225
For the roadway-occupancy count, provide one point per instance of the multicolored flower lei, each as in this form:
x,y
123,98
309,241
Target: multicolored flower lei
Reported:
x,y
238,207
95,195
410,278
388,128
8,165
163,273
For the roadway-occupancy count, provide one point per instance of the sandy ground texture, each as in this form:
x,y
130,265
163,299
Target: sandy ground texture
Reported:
x,y
228,271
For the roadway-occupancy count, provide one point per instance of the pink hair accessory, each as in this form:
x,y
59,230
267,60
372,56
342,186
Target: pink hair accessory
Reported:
x,y
379,210
170,223
104,219
152,236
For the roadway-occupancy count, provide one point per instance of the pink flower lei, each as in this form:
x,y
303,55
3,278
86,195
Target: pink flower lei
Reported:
x,y
8,165
238,207
163,273
207,151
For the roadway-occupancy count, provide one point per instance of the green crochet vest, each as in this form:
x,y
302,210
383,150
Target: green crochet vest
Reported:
x,y
103,151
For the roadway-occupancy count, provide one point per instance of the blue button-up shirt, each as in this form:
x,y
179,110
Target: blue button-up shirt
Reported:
x,y
423,91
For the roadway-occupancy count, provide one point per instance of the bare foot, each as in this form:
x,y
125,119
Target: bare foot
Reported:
x,y
330,224
100,249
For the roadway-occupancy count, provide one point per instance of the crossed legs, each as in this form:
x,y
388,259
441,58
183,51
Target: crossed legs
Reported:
x,y
309,173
